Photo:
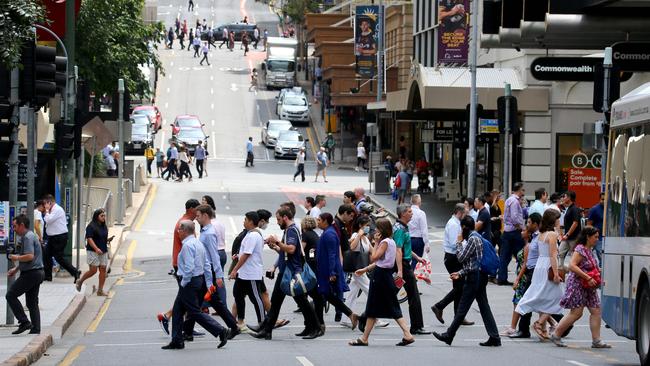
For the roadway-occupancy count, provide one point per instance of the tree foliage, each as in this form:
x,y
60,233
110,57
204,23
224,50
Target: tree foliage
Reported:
x,y
112,40
296,9
16,20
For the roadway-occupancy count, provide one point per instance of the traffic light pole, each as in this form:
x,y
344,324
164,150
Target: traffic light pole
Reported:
x,y
31,158
471,159
13,171
68,171
120,168
607,71
506,143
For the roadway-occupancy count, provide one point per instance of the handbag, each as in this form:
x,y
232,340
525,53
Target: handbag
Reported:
x,y
560,271
353,260
594,274
300,283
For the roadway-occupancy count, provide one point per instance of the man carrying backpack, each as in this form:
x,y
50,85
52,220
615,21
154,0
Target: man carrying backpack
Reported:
x,y
470,249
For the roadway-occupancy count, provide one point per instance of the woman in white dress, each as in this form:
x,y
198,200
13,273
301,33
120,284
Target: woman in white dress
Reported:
x,y
543,296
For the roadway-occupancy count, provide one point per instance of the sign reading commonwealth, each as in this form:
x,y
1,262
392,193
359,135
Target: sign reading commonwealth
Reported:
x,y
569,69
453,34
632,56
367,26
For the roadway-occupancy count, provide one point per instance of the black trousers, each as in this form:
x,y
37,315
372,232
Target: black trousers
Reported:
x,y
224,41
474,289
249,158
220,308
185,170
55,248
300,171
199,167
205,58
171,169
334,298
28,283
149,162
277,298
252,289
188,302
452,265
411,287
196,51
319,304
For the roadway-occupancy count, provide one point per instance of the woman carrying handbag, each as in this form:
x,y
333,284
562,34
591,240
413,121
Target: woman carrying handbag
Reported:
x,y
582,286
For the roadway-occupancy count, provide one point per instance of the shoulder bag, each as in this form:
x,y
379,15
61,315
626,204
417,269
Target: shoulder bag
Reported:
x,y
594,274
300,283
353,260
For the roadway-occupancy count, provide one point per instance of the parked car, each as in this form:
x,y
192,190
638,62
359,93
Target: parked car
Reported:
x,y
141,119
238,28
271,131
186,121
294,108
296,90
154,115
288,144
141,137
190,137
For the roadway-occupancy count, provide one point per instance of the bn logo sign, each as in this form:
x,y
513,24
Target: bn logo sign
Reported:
x,y
581,160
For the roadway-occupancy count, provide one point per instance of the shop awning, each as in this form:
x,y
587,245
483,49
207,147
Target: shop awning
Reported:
x,y
449,88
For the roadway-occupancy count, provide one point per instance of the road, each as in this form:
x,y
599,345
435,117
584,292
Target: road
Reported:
x,y
124,331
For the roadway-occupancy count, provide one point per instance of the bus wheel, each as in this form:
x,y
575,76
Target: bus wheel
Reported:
x,y
643,327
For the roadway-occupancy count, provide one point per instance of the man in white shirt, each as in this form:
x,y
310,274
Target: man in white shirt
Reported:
x,y
453,232
249,271
317,209
56,228
418,228
539,206
108,149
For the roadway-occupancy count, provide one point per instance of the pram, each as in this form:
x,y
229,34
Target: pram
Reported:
x,y
423,182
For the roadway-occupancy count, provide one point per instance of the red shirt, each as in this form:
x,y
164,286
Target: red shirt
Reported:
x,y
178,243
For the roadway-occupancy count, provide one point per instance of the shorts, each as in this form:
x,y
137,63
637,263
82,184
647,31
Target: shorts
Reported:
x,y
320,167
96,260
160,164
401,192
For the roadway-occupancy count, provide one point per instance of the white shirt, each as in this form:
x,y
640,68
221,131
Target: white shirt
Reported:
x,y
315,212
418,227
474,214
536,207
364,241
38,217
253,268
182,156
220,228
452,230
361,152
55,221
300,159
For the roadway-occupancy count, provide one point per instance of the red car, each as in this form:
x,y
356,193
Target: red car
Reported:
x,y
154,115
186,121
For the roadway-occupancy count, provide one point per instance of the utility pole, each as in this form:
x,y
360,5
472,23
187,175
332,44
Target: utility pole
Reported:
x,y
13,171
506,143
607,72
380,88
473,121
29,113
120,168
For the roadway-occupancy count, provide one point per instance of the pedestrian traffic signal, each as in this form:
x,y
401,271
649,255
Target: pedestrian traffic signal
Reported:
x,y
38,74
501,114
6,144
64,136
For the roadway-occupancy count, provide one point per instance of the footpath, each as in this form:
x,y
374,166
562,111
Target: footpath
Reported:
x,y
59,301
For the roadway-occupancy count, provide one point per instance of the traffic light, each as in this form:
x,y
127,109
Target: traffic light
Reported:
x,y
6,145
61,77
64,136
38,74
501,114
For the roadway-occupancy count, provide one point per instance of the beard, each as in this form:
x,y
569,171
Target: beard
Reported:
x,y
283,225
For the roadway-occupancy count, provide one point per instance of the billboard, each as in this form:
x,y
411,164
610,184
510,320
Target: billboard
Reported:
x,y
367,26
453,31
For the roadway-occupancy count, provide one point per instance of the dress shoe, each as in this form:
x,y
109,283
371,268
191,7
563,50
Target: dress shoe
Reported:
x,y
22,327
519,334
438,313
76,276
188,338
233,333
304,333
263,334
197,334
223,338
255,328
443,338
34,331
491,342
174,345
314,334
504,283
467,322
337,317
419,331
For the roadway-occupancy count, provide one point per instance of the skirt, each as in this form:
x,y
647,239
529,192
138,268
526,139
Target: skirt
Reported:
x,y
382,295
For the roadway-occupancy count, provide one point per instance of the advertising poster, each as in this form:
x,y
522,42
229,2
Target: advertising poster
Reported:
x,y
367,25
586,184
453,32
5,226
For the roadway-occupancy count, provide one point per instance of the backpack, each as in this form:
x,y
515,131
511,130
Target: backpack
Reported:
x,y
490,261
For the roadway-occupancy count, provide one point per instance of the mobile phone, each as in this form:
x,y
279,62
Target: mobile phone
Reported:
x,y
111,238
270,275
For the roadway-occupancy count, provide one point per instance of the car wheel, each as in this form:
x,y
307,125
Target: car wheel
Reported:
x,y
643,326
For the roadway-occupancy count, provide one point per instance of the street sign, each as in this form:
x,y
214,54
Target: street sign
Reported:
x,y
568,68
631,56
488,125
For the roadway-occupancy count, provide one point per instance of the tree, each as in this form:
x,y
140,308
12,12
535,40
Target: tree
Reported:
x,y
16,20
296,9
112,41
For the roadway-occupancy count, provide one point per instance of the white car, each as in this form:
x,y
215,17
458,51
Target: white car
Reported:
x,y
288,144
271,131
294,108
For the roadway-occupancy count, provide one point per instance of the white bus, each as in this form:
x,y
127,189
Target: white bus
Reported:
x,y
626,260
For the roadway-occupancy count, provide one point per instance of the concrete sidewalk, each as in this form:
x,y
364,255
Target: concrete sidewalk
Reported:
x,y
59,301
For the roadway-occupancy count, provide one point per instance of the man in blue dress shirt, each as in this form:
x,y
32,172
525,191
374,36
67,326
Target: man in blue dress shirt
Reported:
x,y
194,272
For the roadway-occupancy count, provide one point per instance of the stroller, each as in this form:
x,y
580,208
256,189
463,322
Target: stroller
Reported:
x,y
423,182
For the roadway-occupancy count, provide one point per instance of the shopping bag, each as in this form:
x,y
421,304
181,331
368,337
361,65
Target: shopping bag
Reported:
x,y
423,270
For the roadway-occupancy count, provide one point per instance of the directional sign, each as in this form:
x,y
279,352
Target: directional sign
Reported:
x,y
632,56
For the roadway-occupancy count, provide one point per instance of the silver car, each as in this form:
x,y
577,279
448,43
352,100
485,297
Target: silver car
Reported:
x,y
294,108
289,143
272,130
141,137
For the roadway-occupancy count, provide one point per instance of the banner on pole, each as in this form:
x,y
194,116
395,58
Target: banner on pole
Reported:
x,y
453,31
367,26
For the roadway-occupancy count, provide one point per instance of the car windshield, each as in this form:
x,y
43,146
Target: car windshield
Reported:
x,y
188,122
191,133
279,126
148,112
292,136
295,101
138,129
280,65
140,119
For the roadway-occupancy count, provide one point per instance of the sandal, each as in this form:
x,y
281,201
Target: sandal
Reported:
x,y
600,344
354,319
405,342
281,323
358,342
558,341
541,332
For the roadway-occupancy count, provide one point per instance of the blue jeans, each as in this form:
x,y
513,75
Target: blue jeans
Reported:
x,y
599,252
511,244
417,245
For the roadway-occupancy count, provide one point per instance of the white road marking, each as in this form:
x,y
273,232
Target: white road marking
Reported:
x,y
132,331
304,361
170,76
211,105
166,105
168,90
233,87
171,63
232,224
214,146
162,140
211,90
212,122
576,363
211,77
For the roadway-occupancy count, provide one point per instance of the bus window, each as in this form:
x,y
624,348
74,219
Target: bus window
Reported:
x,y
644,190
633,172
616,185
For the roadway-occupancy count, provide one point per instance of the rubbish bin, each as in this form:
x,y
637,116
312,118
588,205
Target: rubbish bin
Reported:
x,y
382,180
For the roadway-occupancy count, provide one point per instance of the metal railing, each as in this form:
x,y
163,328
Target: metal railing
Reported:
x,y
98,197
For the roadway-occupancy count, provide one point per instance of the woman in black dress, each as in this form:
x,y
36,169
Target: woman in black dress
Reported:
x,y
382,295
309,244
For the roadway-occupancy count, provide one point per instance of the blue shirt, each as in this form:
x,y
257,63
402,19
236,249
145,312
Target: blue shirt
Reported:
x,y
404,180
291,237
249,146
208,238
596,214
199,153
173,153
193,261
533,251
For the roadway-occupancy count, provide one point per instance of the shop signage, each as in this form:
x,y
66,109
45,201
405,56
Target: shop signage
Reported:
x,y
488,126
453,37
367,26
568,68
585,182
443,134
44,182
631,56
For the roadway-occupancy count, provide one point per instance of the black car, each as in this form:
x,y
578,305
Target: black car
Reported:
x,y
190,137
238,28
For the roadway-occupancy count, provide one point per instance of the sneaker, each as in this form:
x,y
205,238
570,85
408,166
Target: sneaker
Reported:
x,y
164,323
600,344
507,332
244,330
557,341
381,324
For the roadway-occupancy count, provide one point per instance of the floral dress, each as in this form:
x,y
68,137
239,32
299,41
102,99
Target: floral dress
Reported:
x,y
523,282
575,295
